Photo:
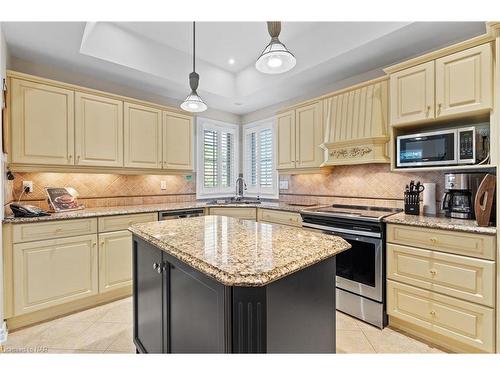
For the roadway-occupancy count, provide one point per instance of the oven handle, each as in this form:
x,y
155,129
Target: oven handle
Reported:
x,y
342,230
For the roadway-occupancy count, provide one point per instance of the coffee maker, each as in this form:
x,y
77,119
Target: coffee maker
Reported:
x,y
461,189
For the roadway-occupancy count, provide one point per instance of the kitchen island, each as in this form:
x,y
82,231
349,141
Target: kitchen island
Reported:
x,y
215,284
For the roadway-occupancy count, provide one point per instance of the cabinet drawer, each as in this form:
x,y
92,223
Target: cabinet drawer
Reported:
x,y
53,229
462,277
248,213
52,272
466,323
279,217
455,242
122,222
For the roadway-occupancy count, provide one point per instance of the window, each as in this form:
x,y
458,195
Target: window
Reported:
x,y
258,154
217,158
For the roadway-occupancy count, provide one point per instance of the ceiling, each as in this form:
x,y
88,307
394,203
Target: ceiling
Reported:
x,y
156,57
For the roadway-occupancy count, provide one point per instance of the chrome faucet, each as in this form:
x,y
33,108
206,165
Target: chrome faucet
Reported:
x,y
241,186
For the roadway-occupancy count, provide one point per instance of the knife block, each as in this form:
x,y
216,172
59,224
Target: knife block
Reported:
x,y
412,202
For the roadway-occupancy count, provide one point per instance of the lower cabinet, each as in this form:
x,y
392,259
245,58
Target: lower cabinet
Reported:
x,y
176,310
52,272
248,213
115,260
279,217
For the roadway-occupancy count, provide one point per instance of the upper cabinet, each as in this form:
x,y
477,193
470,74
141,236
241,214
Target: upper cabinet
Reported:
x,y
60,127
299,135
177,141
308,136
451,86
98,131
464,81
412,94
42,123
285,123
356,129
143,136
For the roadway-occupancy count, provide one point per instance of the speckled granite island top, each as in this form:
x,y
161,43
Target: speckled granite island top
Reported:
x,y
439,222
239,252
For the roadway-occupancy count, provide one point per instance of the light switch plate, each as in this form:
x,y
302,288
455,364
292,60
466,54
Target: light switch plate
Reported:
x,y
163,185
283,184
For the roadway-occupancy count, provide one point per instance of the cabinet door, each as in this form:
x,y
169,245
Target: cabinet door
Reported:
x,y
148,298
464,81
308,136
115,260
142,134
42,124
177,141
52,272
412,94
98,131
286,139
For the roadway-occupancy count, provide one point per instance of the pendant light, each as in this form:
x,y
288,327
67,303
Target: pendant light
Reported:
x,y
193,102
275,58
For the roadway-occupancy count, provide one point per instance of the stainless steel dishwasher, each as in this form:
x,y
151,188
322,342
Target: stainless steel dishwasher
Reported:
x,y
179,214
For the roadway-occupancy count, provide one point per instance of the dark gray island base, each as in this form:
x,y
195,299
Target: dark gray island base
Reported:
x,y
179,309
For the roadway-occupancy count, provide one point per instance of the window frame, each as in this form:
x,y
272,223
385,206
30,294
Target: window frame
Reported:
x,y
255,127
203,124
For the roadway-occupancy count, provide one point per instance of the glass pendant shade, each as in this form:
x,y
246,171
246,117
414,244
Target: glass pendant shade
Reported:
x,y
194,103
275,58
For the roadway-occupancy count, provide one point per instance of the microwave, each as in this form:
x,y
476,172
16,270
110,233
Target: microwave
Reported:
x,y
457,146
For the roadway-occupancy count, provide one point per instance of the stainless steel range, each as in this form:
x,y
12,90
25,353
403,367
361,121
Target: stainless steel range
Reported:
x,y
360,270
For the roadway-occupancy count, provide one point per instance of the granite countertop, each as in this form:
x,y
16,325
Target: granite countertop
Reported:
x,y
439,222
240,252
123,210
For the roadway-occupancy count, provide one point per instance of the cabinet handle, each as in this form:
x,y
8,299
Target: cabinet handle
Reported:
x,y
433,272
94,244
432,313
157,267
428,111
102,244
70,157
433,240
439,108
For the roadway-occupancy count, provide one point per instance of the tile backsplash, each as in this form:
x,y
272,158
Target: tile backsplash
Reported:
x,y
98,190
370,183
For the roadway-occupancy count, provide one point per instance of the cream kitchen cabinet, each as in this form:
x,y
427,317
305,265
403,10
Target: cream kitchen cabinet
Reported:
x,y
308,136
299,135
285,123
247,213
142,136
52,272
42,123
451,86
98,131
464,81
177,141
412,94
115,260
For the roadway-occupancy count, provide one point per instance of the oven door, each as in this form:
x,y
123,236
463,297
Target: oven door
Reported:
x,y
433,148
359,269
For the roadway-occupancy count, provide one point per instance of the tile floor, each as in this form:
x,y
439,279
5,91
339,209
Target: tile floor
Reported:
x,y
108,329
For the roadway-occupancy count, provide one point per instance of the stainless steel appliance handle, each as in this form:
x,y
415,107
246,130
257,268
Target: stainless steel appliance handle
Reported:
x,y
341,230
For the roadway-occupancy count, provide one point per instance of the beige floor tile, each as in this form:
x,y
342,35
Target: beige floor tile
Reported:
x,y
344,321
353,341
124,342
89,315
22,340
390,341
99,336
61,335
73,351
118,313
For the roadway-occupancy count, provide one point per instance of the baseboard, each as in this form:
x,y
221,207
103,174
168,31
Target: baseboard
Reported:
x,y
21,321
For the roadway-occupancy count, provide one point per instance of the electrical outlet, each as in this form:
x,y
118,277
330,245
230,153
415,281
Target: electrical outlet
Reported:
x,y
28,185
163,185
283,184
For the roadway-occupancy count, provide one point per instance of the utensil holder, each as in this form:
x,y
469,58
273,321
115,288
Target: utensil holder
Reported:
x,y
412,202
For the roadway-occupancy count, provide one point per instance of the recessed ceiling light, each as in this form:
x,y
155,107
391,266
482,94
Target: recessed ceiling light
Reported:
x,y
238,103
231,61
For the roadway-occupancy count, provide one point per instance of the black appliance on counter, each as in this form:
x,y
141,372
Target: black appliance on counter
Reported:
x,y
360,277
460,194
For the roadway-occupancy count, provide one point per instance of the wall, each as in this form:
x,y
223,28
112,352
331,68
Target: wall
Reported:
x,y
105,190
369,184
